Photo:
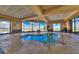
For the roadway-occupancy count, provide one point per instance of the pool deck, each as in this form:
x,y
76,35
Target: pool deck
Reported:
x,y
12,44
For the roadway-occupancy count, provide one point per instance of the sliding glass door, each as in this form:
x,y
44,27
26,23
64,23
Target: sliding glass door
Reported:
x,y
4,27
34,26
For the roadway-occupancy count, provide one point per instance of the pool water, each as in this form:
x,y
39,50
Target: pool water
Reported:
x,y
43,38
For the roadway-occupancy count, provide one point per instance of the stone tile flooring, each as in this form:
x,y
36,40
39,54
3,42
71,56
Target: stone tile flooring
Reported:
x,y
12,44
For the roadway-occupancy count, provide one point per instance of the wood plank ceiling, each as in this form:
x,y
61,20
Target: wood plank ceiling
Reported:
x,y
42,12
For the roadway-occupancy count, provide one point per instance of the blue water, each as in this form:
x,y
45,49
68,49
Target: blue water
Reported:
x,y
44,38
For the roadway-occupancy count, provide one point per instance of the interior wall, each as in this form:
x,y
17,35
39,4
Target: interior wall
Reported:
x,y
68,25
16,26
63,24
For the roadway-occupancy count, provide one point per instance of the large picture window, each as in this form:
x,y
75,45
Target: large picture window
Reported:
x,y
56,27
75,24
4,27
34,26
27,26
43,26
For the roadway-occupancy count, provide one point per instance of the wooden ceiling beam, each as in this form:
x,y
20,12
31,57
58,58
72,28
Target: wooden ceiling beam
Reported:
x,y
9,18
31,18
64,8
72,14
52,10
38,11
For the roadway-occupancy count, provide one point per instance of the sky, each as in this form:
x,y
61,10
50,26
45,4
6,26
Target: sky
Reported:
x,y
29,24
56,25
4,24
77,23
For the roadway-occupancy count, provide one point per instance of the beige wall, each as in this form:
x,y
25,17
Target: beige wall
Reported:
x,y
68,25
16,25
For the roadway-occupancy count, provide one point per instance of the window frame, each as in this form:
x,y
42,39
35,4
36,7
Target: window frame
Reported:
x,y
74,21
55,30
10,27
33,26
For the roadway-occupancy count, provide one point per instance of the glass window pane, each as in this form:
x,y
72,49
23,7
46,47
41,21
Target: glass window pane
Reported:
x,y
77,26
4,27
73,26
27,26
76,18
43,26
56,27
36,26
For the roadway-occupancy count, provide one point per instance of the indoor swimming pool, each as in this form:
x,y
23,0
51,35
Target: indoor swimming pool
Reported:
x,y
48,38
